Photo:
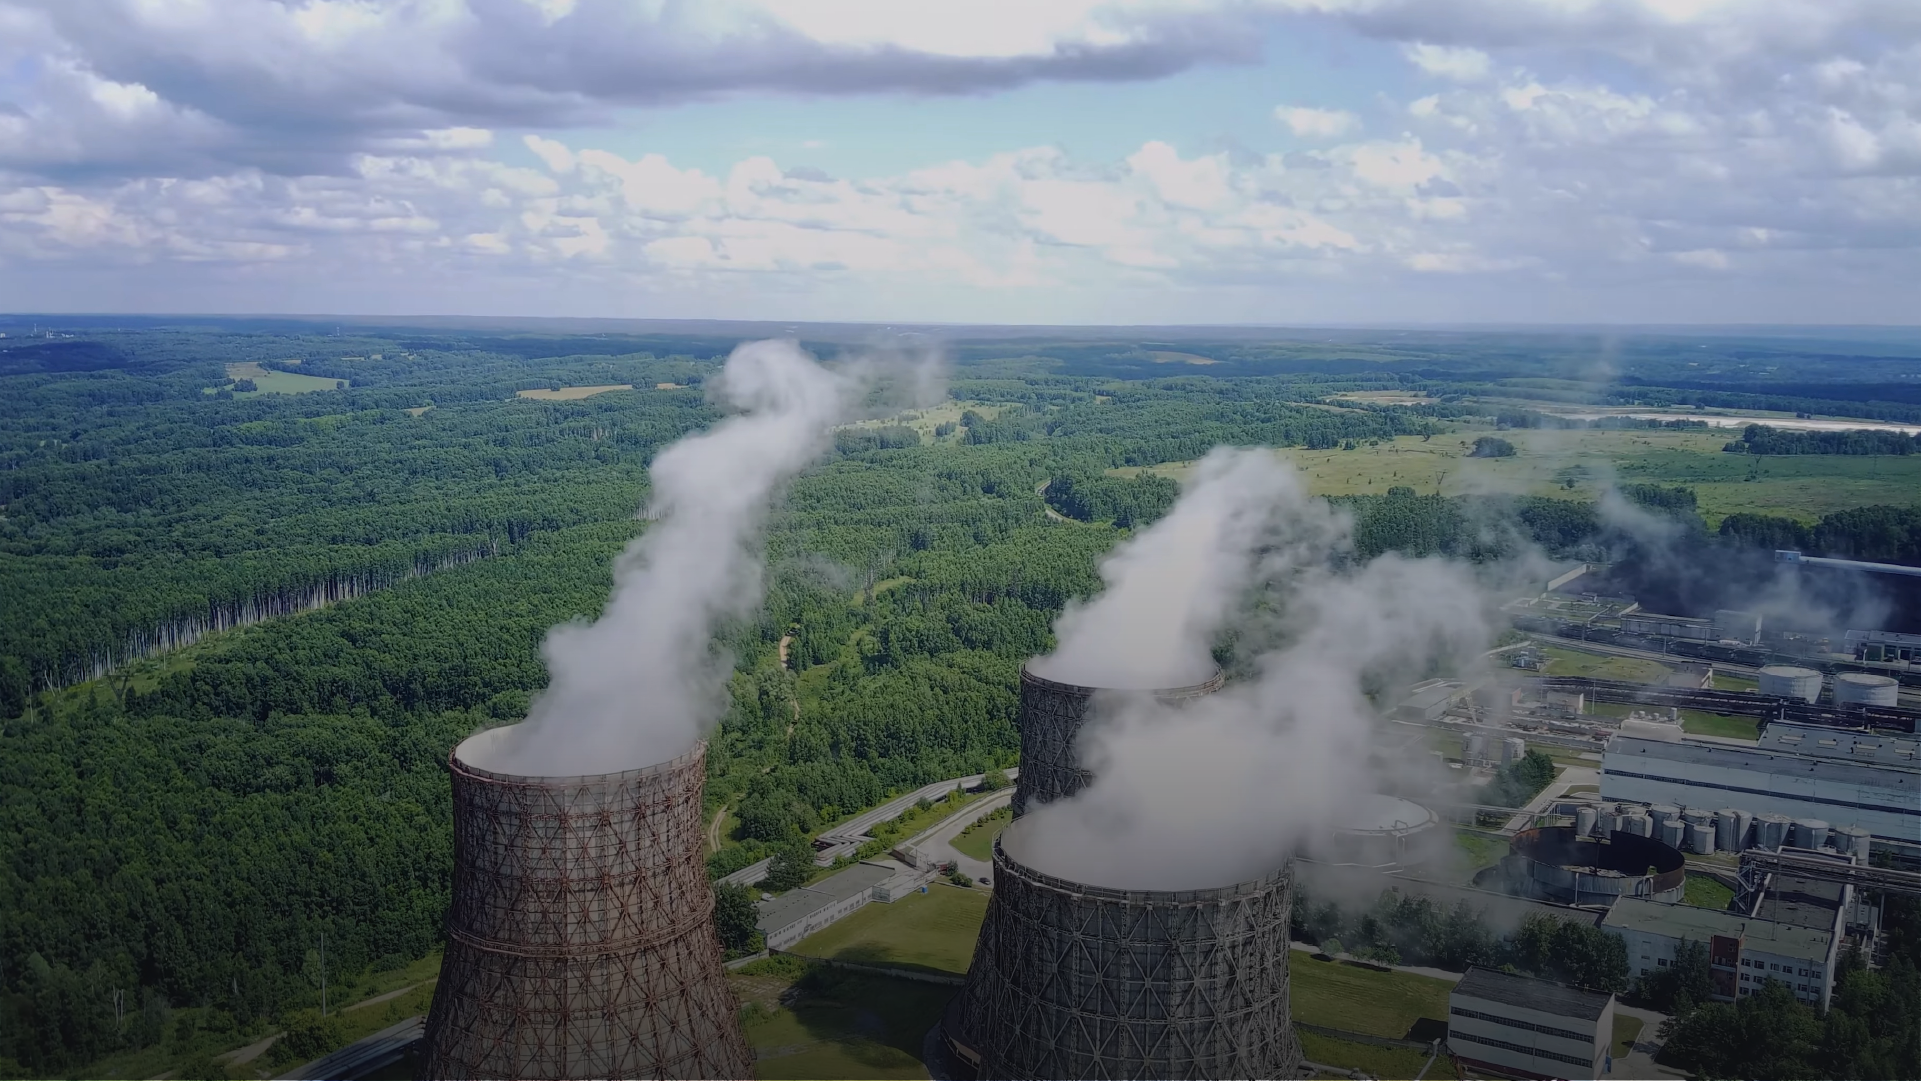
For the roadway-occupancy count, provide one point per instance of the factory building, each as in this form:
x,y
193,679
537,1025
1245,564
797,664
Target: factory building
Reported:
x,y
1744,952
1823,777
798,913
1558,863
1654,625
1515,1026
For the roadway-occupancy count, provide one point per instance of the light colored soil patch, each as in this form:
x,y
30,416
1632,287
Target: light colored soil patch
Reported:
x,y
1384,397
1162,356
570,394
670,386
418,410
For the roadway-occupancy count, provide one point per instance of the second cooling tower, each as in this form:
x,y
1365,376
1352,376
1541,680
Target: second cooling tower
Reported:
x,y
581,943
1050,720
1078,980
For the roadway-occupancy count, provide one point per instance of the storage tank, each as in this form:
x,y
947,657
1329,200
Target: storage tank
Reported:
x,y
1080,980
1730,829
1607,819
1671,832
1853,841
1697,816
1513,749
1474,748
1770,830
1585,819
1050,720
1662,812
1791,681
1637,823
1810,833
1866,689
1701,838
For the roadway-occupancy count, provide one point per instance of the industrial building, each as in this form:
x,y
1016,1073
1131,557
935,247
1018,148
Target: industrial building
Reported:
x,y
1079,980
1563,865
798,913
581,939
1050,718
1744,952
1381,832
1822,776
1515,1026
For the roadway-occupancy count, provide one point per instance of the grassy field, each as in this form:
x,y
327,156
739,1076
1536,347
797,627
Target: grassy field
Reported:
x,y
926,420
930,932
834,1023
1375,1061
1626,1031
1336,995
1706,892
1696,723
1802,486
1725,682
272,382
1472,852
978,840
569,394
1560,661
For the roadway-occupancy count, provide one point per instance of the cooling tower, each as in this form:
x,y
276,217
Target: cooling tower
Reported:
x,y
581,941
1051,716
1076,980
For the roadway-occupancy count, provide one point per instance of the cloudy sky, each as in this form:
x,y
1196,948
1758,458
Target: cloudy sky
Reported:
x,y
1037,161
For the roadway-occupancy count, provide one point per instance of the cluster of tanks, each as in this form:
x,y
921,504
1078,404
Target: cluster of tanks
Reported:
x,y
1703,831
1849,688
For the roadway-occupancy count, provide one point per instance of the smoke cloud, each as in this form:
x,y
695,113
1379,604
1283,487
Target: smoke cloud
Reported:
x,y
1171,588
1222,789
641,684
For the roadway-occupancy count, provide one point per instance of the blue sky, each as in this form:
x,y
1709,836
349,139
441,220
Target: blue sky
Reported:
x,y
1051,161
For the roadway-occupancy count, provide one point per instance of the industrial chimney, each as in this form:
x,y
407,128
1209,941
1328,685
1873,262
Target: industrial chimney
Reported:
x,y
581,941
1050,720
1081,980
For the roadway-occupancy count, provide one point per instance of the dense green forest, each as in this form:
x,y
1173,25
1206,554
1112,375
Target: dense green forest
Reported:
x,y
191,810
1761,439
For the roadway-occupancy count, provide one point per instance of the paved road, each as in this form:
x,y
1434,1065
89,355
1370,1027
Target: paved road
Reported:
x,y
939,841
362,1057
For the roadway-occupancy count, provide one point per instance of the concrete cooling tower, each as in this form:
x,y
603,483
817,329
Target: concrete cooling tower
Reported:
x,y
581,941
1078,980
1050,719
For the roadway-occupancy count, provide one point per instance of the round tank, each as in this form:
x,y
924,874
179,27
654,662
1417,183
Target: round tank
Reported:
x,y
1050,720
1585,819
1770,830
1513,750
1701,838
1078,980
1474,747
1866,689
1638,824
1730,830
1697,816
1790,681
1607,819
1662,812
1810,833
1671,832
1852,840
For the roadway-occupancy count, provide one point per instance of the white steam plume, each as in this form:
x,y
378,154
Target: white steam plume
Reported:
x,y
1221,789
1172,587
641,684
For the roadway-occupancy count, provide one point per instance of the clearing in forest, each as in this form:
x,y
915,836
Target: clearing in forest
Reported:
x,y
569,394
1163,356
273,382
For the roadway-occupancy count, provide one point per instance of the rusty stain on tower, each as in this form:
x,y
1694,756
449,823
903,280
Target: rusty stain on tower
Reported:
x,y
581,940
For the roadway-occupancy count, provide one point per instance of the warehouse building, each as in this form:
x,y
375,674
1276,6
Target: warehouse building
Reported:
x,y
798,913
1831,776
1514,1026
1744,952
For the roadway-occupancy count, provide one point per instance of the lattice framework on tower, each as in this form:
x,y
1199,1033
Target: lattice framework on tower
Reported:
x,y
1051,716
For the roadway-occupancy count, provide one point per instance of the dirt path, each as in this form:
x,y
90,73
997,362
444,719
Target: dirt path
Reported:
x,y
385,997
785,641
1041,491
713,830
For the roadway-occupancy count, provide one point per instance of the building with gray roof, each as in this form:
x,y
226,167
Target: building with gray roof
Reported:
x,y
1518,1026
798,913
1744,952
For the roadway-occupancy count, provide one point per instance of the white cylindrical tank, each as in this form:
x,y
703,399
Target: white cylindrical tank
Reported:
x,y
1662,812
1770,830
1671,832
1584,821
1728,834
1810,833
1609,819
1866,689
1697,816
1852,840
1791,681
1638,824
1701,838
1513,749
1473,747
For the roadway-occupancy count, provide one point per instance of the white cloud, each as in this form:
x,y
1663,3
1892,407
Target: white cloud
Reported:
x,y
1315,123
1704,257
1449,62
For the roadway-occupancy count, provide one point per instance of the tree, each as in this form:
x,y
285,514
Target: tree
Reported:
x,y
791,865
1490,446
735,917
1767,1034
994,780
1684,984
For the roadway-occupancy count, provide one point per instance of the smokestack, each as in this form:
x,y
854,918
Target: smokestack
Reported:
x,y
1050,720
1076,979
581,942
